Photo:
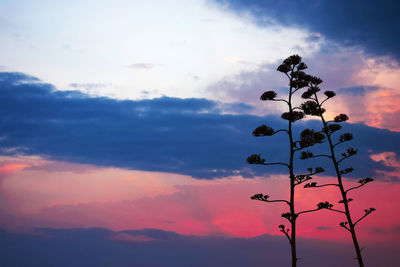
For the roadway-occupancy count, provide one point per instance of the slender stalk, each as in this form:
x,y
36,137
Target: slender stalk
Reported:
x,y
292,181
343,192
292,67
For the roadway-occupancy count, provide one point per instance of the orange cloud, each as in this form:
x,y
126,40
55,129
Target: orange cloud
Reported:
x,y
378,108
12,167
388,159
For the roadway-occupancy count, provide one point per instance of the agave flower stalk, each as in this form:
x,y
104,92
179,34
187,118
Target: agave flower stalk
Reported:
x,y
293,68
315,107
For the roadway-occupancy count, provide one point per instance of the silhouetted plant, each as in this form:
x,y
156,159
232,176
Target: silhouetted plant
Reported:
x,y
293,68
313,107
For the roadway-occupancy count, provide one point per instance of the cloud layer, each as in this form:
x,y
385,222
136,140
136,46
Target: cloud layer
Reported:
x,y
186,136
152,247
368,24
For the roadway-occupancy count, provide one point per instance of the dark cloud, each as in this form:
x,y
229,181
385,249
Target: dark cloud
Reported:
x,y
324,228
364,23
387,230
187,136
357,90
102,247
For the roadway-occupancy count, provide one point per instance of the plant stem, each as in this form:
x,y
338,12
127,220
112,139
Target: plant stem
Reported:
x,y
342,191
292,181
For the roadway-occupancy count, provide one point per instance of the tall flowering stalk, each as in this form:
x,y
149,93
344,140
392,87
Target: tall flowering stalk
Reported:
x,y
293,68
314,107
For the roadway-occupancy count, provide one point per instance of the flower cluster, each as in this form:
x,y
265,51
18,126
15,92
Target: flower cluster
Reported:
x,y
260,197
329,94
346,137
310,92
292,60
312,108
365,180
341,118
299,83
263,130
349,152
269,95
347,170
313,184
255,159
306,154
324,205
332,128
368,211
315,80
293,116
310,137
284,68
302,178
302,66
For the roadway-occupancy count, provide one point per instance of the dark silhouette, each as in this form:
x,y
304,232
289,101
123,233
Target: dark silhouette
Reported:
x,y
293,68
313,107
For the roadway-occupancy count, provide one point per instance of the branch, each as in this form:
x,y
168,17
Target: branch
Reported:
x,y
349,152
300,181
355,187
320,206
282,227
343,224
326,185
281,130
297,148
280,100
308,154
321,155
276,163
324,101
362,183
299,108
277,200
321,209
337,211
264,198
314,184
306,211
367,212
345,157
256,159
338,143
301,178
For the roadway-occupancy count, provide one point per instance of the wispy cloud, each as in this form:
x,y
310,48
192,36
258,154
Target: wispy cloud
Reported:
x,y
141,66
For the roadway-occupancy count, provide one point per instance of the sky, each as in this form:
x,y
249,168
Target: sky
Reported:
x,y
126,126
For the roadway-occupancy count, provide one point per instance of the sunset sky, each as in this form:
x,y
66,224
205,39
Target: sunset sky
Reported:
x,y
125,128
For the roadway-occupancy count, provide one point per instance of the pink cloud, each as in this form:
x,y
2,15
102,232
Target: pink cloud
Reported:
x,y
122,199
378,107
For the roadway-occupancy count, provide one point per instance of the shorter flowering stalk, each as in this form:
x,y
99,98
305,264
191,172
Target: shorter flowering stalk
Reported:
x,y
314,107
